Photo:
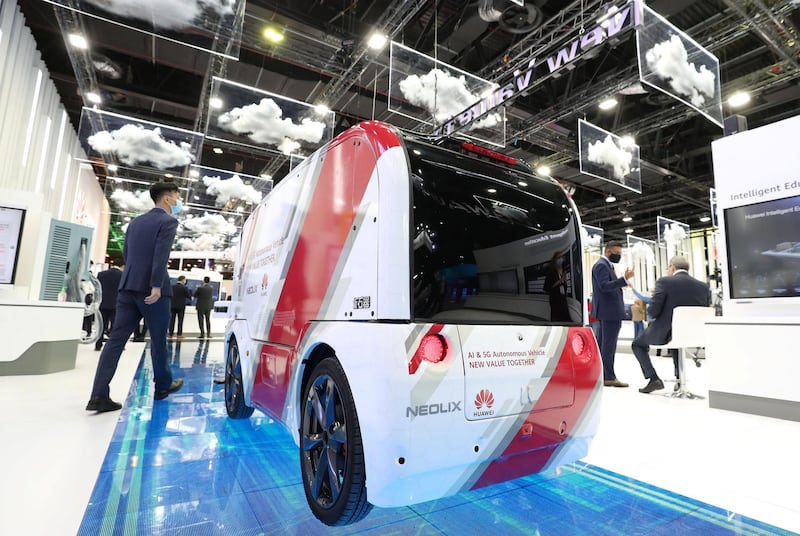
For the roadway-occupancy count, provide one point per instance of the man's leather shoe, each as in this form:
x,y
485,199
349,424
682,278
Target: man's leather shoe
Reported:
x,y
677,386
102,405
614,383
653,385
176,385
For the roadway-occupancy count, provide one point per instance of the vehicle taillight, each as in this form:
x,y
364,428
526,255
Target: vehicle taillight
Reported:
x,y
432,348
483,151
581,348
578,344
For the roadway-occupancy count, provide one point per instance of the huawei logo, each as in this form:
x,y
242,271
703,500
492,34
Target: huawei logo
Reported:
x,y
484,399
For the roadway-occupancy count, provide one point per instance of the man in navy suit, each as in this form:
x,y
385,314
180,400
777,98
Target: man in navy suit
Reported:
x,y
144,292
675,290
608,308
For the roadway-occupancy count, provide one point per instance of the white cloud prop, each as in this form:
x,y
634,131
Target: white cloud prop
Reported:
x,y
443,95
641,252
233,188
669,60
203,242
230,253
608,153
134,144
165,13
263,123
210,224
674,232
590,240
135,202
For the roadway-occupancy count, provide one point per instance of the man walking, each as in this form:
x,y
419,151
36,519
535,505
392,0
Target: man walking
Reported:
x,y
109,284
674,290
204,306
180,295
608,308
144,292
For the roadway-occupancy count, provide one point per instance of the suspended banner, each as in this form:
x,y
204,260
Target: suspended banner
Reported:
x,y
674,236
136,143
435,93
200,24
262,120
672,62
609,157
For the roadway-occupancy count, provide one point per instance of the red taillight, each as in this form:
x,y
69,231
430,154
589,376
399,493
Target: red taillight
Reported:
x,y
483,151
581,346
578,344
432,348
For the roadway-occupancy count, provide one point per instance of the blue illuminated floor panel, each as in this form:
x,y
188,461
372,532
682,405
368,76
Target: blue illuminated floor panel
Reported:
x,y
181,467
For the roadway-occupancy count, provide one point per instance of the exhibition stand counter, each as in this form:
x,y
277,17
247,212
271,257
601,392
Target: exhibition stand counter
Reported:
x,y
39,337
754,365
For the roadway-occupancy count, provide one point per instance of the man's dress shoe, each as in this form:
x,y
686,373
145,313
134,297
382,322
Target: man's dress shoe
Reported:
x,y
614,383
653,385
176,385
102,405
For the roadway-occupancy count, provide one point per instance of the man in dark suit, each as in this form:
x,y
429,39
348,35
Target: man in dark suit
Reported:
x,y
109,284
608,308
675,290
180,295
204,306
144,292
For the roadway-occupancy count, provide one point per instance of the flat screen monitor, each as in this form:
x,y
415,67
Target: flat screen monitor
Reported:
x,y
11,221
763,242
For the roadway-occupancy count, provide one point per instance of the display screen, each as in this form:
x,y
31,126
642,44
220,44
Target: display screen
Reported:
x,y
11,222
764,249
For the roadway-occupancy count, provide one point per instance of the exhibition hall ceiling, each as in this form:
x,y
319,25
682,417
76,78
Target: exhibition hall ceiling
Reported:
x,y
254,117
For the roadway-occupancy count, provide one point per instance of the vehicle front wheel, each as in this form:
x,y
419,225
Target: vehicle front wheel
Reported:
x,y
331,452
234,388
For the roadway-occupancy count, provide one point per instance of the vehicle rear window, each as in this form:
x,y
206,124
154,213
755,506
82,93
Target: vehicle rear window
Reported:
x,y
491,244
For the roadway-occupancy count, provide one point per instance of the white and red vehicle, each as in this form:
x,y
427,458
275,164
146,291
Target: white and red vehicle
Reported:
x,y
389,309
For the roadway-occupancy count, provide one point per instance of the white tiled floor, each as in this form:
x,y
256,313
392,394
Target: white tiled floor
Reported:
x,y
51,449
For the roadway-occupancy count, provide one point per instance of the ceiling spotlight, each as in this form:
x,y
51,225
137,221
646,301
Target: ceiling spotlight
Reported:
x,y
266,176
628,230
627,141
544,170
321,109
273,35
740,98
168,175
377,41
78,41
194,173
215,102
608,103
217,150
93,97
705,219
610,198
522,183
112,168
492,191
627,218
197,198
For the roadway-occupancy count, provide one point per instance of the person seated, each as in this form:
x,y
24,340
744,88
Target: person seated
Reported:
x,y
675,290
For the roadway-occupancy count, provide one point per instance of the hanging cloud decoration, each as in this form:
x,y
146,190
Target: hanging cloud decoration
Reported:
x,y
590,240
134,144
209,224
233,188
669,60
168,13
608,153
443,95
641,252
263,123
230,253
203,242
674,232
139,202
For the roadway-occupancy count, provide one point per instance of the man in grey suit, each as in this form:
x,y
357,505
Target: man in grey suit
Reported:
x,y
675,290
204,306
144,292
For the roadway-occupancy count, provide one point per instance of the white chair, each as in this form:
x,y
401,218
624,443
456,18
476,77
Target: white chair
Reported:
x,y
688,331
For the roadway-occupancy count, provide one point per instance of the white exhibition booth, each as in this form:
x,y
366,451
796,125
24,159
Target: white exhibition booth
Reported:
x,y
752,349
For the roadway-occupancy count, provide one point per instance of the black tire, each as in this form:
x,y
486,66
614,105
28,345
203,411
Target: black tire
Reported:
x,y
234,389
331,452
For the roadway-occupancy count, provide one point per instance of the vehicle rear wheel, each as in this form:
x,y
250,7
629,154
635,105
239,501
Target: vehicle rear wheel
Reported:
x,y
331,452
234,388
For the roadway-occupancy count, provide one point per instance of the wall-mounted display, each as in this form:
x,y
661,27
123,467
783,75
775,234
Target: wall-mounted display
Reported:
x,y
12,220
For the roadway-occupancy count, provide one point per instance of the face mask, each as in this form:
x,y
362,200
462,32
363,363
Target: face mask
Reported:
x,y
615,257
559,261
176,208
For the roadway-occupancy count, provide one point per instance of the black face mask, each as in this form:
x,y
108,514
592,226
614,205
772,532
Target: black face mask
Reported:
x,y
615,257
